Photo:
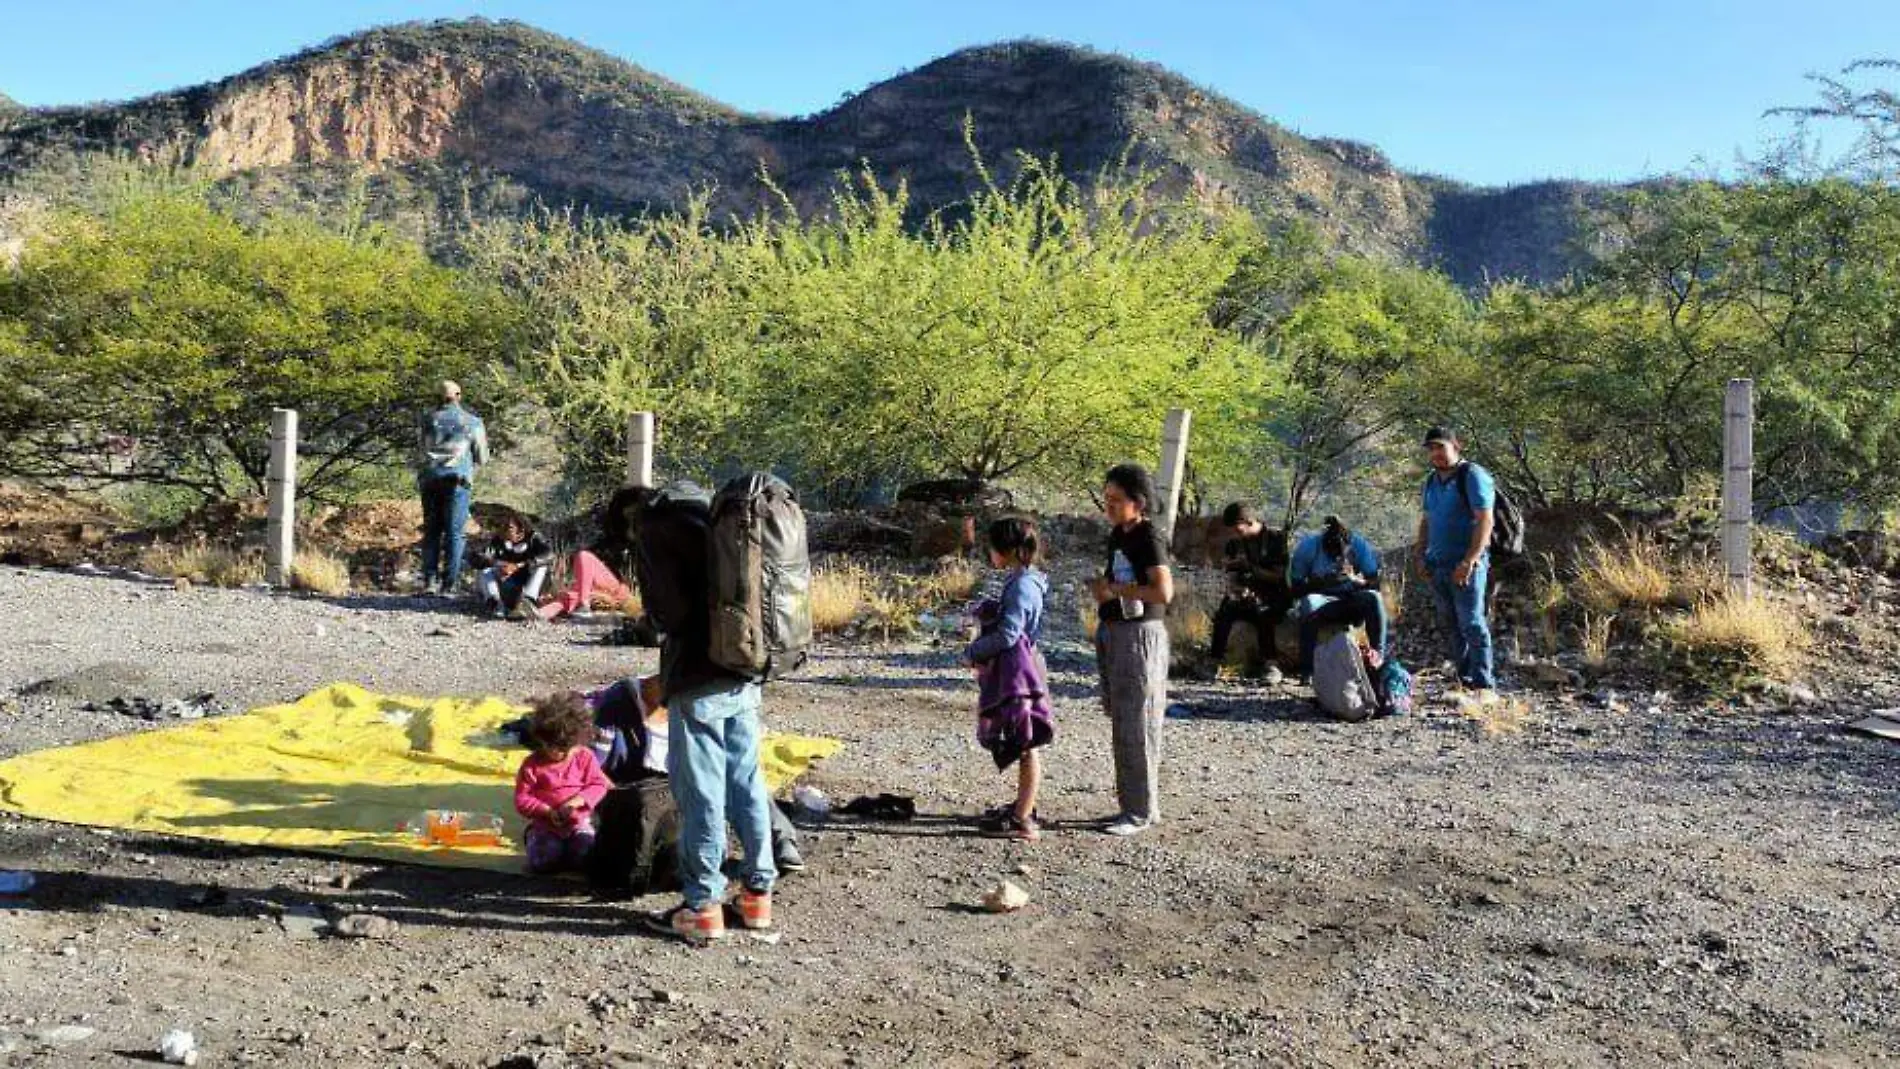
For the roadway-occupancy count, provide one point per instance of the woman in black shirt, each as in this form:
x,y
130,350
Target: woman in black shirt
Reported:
x,y
1132,644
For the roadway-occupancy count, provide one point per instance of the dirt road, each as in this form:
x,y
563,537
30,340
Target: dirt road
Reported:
x,y
1633,887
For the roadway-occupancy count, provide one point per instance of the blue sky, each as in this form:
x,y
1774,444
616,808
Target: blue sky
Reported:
x,y
1488,91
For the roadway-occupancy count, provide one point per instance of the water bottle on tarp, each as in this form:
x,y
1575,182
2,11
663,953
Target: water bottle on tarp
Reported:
x,y
454,827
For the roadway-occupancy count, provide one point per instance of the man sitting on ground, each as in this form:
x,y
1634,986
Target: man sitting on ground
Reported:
x,y
1336,577
1256,580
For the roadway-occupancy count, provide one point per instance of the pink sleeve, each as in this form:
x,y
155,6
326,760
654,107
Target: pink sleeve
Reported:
x,y
594,782
527,783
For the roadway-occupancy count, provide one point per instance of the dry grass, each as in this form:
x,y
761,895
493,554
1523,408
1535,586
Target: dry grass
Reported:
x,y
320,573
1597,631
1631,572
1698,581
1496,715
204,563
851,595
840,596
954,582
1190,621
1739,638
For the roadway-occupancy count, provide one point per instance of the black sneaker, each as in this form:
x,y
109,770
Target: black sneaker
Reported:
x,y
786,857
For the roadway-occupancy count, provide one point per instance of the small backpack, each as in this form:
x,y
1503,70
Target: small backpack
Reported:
x,y
448,437
760,571
1395,689
1507,520
1340,682
637,832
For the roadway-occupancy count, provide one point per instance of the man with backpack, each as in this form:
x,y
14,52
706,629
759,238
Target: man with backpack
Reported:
x,y
454,443
744,551
1455,537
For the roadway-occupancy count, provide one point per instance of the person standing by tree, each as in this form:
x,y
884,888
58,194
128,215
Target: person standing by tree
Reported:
x,y
1256,572
454,443
1131,644
1453,553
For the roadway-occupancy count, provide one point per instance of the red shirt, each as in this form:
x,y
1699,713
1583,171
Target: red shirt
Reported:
x,y
542,786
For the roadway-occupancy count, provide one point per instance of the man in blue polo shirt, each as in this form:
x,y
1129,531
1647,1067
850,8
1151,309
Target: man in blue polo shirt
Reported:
x,y
1454,537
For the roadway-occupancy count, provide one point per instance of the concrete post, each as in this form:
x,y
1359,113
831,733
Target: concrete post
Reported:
x,y
280,550
640,449
1738,485
1174,446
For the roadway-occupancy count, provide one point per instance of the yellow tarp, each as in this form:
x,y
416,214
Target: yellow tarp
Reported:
x,y
337,771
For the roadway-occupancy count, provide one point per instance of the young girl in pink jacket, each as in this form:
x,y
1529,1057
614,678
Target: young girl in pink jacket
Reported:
x,y
559,784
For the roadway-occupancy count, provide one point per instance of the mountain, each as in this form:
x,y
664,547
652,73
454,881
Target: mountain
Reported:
x,y
444,117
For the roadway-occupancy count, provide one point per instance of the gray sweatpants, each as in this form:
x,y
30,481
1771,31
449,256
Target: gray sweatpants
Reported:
x,y
1133,658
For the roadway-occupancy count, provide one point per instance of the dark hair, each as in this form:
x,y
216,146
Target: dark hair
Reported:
x,y
1238,513
1336,539
1134,480
559,722
616,517
1016,537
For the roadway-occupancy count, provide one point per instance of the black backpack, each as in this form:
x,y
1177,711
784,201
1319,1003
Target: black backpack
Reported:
x,y
636,841
1507,520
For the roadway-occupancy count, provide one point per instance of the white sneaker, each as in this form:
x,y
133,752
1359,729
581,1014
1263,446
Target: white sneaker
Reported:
x,y
1126,826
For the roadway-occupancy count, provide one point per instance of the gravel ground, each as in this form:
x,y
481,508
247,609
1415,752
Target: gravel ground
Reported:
x,y
1606,886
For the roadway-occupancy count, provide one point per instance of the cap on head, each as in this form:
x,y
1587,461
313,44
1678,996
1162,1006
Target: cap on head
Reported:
x,y
451,390
1441,434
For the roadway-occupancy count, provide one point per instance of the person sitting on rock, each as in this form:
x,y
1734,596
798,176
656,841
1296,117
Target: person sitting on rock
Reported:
x,y
1256,580
1335,576
514,566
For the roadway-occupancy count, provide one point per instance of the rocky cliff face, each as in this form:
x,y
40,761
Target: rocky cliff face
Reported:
x,y
574,125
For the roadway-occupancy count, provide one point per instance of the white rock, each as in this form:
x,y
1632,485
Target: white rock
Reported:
x,y
65,1035
1005,897
179,1047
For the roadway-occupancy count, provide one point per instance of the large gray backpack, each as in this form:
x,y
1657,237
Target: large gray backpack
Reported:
x,y
1341,684
761,578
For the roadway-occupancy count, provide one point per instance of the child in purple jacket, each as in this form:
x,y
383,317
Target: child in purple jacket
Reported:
x,y
1014,719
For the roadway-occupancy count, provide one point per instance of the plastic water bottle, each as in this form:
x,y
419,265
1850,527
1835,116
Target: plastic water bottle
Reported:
x,y
454,827
1124,572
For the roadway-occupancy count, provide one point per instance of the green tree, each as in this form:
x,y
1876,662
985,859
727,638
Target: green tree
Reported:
x,y
150,344
1035,333
1349,336
653,315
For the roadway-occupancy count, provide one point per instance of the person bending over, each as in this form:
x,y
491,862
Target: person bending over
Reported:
x,y
1335,576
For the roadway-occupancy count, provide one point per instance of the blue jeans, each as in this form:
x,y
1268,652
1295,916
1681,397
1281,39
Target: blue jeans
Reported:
x,y
1461,620
712,756
444,530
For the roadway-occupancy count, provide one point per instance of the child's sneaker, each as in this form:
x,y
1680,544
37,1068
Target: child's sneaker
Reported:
x,y
755,910
700,926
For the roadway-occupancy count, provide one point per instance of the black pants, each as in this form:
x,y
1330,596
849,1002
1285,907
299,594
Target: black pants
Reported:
x,y
1262,615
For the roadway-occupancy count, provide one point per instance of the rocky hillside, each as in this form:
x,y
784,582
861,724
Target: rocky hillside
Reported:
x,y
429,112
